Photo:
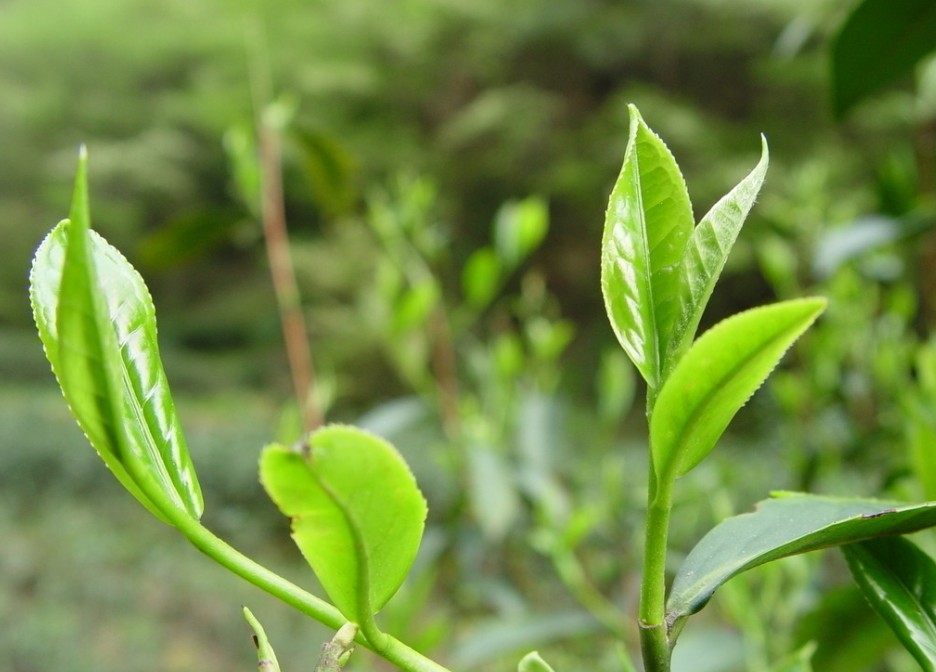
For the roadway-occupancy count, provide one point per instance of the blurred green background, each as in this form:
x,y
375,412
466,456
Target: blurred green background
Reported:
x,y
417,132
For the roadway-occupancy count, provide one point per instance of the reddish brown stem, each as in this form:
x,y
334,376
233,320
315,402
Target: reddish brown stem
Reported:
x,y
295,334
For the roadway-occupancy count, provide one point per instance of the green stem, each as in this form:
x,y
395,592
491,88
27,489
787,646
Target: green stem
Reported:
x,y
218,550
654,643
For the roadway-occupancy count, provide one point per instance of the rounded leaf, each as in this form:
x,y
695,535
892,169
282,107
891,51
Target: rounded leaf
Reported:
x,y
357,514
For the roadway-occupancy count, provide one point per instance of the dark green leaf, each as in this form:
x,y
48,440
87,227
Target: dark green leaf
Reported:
x,y
899,580
879,42
648,222
707,253
357,515
716,378
97,323
786,524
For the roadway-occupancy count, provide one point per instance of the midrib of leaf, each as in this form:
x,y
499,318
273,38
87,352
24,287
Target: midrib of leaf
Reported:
x,y
362,566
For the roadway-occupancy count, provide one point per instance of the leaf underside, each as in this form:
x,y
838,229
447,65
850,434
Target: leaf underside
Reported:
x,y
787,524
879,43
899,581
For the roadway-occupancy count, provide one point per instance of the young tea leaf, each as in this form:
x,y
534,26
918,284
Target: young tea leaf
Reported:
x,y
787,524
716,378
706,254
97,323
899,581
357,514
648,222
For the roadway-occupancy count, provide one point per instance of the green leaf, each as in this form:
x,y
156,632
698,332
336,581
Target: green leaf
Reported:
x,y
533,662
519,228
899,580
481,278
97,324
716,378
706,254
266,657
787,524
357,514
879,42
648,223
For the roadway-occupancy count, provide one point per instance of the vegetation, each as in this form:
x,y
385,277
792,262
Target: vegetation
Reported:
x,y
477,354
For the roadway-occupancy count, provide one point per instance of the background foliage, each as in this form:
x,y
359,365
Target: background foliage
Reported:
x,y
430,115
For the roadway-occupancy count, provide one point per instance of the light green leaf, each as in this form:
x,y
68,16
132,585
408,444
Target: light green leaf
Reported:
x,y
787,524
481,277
533,662
716,378
648,223
899,580
879,42
97,324
266,657
357,514
519,228
706,254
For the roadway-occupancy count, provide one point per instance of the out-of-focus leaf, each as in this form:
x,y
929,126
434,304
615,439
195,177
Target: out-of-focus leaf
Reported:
x,y
879,42
519,228
481,278
501,636
329,169
899,580
533,662
616,384
186,238
716,378
414,305
240,143
97,323
357,514
706,254
648,223
492,491
787,524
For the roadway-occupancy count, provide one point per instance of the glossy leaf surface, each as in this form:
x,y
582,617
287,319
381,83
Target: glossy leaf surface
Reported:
x,y
706,254
787,524
716,378
97,324
899,581
357,514
879,42
648,222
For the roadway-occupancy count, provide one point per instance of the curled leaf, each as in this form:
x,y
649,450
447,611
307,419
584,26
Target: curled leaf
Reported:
x,y
97,324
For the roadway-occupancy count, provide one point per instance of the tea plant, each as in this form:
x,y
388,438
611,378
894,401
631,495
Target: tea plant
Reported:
x,y
357,513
